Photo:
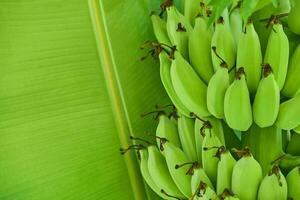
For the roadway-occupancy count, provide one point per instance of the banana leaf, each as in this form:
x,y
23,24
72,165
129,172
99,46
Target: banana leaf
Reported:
x,y
68,102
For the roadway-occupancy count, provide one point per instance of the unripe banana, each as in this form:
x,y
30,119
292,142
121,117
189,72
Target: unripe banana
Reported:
x,y
228,195
160,30
191,10
204,192
289,114
292,83
293,182
216,90
187,138
273,186
293,146
265,145
198,177
199,49
237,105
146,174
175,157
160,174
165,76
293,18
267,100
225,168
277,53
188,86
249,57
246,177
236,25
216,128
178,29
167,129
224,44
209,150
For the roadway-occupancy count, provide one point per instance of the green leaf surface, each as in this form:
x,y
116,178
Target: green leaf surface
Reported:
x,y
58,139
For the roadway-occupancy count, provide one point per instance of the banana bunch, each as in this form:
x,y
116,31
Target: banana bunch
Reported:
x,y
232,75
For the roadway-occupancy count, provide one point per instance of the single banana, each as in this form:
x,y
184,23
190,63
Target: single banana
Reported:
x,y
277,53
225,168
199,44
293,182
160,30
228,195
166,128
188,86
292,83
198,177
187,138
265,145
160,174
209,150
191,10
237,105
249,57
216,90
267,100
294,144
224,44
289,114
246,177
273,186
236,24
176,160
216,128
293,18
178,29
146,174
165,76
204,192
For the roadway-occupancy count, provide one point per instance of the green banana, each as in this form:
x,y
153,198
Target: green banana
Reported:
x,y
188,86
236,25
293,182
232,137
277,53
249,57
204,192
198,177
216,90
166,128
225,168
292,83
289,114
237,105
293,18
273,186
267,100
160,174
293,146
246,177
174,158
146,174
165,76
209,149
178,29
160,30
200,126
224,45
265,145
228,195
187,138
199,44
191,10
